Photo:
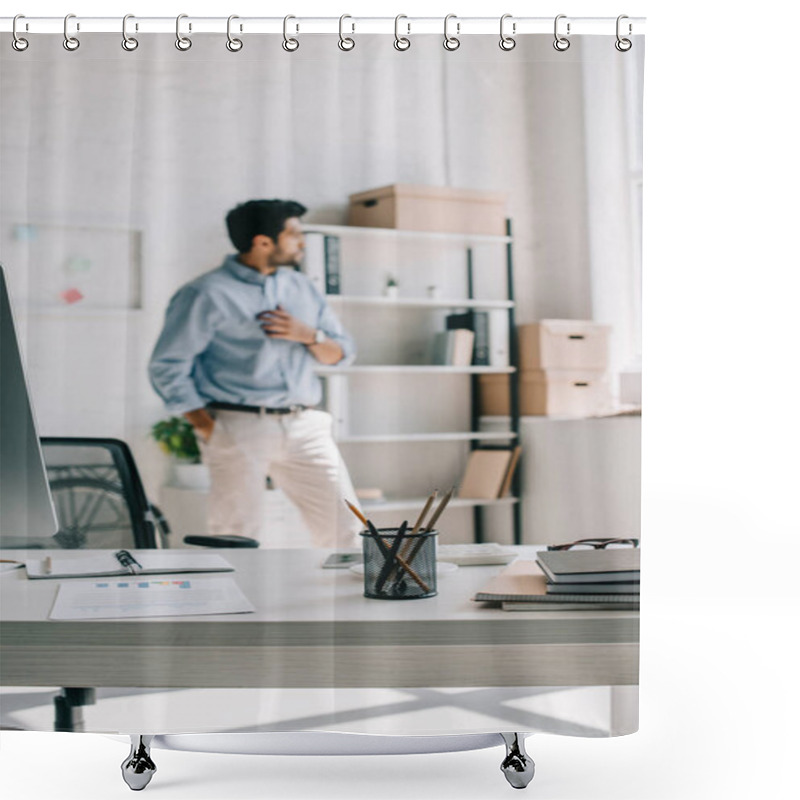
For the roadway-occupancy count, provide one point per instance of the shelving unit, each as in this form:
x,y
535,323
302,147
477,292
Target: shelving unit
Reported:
x,y
363,305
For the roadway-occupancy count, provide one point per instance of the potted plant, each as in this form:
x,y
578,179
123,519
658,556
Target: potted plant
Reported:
x,y
176,437
391,287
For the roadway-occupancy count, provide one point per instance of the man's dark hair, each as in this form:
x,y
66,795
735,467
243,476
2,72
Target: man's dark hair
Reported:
x,y
260,218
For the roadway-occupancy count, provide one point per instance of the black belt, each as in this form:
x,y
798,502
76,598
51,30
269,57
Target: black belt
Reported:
x,y
256,409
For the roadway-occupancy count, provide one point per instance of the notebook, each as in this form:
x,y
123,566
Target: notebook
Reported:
x,y
524,581
126,562
590,566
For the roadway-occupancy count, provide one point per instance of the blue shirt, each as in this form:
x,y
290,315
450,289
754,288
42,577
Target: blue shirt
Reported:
x,y
212,347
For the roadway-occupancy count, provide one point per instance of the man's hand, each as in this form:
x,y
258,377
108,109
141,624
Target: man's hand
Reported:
x,y
202,422
280,324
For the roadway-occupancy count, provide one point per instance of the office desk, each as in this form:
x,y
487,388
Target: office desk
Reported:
x,y
313,628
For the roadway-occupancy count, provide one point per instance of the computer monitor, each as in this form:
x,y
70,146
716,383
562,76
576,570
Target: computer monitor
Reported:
x,y
27,515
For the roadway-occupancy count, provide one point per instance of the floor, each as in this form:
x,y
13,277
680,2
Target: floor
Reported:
x,y
567,711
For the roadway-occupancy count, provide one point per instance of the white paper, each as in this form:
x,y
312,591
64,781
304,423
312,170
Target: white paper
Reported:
x,y
120,598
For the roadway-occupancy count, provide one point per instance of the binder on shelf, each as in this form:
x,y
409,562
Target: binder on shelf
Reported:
x,y
453,348
489,472
478,323
321,261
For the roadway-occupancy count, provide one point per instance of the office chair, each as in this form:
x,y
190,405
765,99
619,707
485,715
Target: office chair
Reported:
x,y
100,500
100,503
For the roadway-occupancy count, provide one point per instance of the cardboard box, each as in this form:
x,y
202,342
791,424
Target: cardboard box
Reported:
x,y
563,344
429,208
557,393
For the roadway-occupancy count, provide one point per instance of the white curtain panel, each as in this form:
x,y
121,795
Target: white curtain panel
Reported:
x,y
125,164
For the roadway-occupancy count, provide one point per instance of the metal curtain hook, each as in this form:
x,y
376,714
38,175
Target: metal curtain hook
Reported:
x,y
561,43
18,43
289,43
507,42
129,43
623,45
346,42
71,43
182,42
451,42
401,42
233,44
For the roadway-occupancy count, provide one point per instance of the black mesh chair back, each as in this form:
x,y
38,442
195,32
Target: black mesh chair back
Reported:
x,y
99,497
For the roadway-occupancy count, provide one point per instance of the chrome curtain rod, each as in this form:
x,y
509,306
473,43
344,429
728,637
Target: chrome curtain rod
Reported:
x,y
456,26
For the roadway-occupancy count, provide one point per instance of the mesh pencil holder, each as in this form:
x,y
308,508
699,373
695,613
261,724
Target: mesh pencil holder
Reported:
x,y
409,574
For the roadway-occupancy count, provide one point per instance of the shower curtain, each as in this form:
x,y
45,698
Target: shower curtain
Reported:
x,y
119,168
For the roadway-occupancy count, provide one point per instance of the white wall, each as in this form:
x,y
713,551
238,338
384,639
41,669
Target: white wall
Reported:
x,y
165,143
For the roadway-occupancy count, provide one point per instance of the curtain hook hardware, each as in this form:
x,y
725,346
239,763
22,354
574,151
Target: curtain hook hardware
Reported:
x,y
290,44
129,43
70,43
233,44
507,42
401,42
183,43
561,43
622,44
18,43
451,42
346,43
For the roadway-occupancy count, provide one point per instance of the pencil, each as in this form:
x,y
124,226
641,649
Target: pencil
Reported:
x,y
389,564
409,543
429,527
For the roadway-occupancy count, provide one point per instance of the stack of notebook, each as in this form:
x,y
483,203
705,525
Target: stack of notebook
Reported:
x,y
565,580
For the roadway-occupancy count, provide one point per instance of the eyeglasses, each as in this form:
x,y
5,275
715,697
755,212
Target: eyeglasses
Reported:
x,y
595,544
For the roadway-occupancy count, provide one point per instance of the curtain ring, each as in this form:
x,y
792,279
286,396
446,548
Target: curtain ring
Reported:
x,y
561,43
129,43
451,42
18,43
183,43
70,43
623,45
233,44
289,44
401,42
346,43
507,42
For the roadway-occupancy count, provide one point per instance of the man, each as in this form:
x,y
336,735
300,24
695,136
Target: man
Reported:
x,y
237,357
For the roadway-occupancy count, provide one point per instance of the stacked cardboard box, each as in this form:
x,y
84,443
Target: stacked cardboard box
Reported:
x,y
563,371
429,208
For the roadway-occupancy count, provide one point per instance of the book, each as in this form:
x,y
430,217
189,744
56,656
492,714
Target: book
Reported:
x,y
590,566
485,473
126,562
505,487
321,261
523,581
623,587
478,323
453,348
498,336
333,284
523,606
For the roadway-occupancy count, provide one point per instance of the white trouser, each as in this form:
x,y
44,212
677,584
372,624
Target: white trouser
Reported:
x,y
298,452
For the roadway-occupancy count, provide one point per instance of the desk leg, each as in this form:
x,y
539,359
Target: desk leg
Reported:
x,y
517,766
69,708
138,768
